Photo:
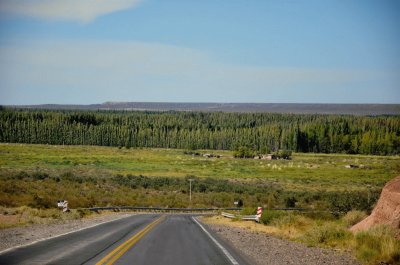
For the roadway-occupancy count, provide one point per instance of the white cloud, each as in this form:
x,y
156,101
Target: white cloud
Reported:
x,y
94,71
76,10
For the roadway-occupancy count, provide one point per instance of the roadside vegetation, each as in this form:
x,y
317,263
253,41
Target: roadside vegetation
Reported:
x,y
323,229
24,215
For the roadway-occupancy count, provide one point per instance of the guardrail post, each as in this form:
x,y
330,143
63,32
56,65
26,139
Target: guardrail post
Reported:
x,y
259,213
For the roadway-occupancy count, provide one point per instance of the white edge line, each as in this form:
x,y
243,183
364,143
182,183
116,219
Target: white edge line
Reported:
x,y
227,254
51,237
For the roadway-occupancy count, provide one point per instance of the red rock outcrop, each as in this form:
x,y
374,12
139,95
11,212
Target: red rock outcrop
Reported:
x,y
386,211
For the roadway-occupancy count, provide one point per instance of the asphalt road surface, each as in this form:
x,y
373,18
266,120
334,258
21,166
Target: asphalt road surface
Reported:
x,y
138,239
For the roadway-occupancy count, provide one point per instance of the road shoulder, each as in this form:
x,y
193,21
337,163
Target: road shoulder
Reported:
x,y
236,253
20,236
266,249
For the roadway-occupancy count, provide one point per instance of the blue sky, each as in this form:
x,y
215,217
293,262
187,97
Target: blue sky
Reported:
x,y
92,51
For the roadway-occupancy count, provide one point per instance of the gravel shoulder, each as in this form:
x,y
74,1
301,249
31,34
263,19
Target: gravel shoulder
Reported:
x,y
17,236
266,249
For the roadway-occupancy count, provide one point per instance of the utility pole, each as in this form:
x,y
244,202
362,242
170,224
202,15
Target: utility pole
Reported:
x,y
190,190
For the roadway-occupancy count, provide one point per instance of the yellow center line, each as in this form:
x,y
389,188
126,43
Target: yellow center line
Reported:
x,y
121,249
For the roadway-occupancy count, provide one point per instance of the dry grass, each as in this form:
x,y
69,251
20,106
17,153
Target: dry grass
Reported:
x,y
353,217
378,245
250,225
21,216
375,246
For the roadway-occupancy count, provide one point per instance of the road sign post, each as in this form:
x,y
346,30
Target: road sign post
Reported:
x,y
64,205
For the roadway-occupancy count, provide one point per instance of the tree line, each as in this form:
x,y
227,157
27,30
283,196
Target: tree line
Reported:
x,y
261,132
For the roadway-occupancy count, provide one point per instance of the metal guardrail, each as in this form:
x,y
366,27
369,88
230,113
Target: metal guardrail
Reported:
x,y
257,217
243,217
228,215
249,217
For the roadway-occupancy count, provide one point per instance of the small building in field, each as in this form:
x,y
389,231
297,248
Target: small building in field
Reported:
x,y
269,157
211,155
266,157
351,166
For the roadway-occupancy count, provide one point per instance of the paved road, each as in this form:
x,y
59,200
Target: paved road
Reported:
x,y
139,239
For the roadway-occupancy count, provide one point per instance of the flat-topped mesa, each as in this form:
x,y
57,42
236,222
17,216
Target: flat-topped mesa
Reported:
x,y
386,211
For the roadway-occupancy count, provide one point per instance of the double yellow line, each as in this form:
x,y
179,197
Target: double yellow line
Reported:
x,y
121,249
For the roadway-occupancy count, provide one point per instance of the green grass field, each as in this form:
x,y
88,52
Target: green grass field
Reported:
x,y
304,172
39,175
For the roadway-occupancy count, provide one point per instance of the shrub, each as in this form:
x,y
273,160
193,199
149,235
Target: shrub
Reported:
x,y
283,154
329,234
290,202
347,201
297,221
353,217
268,216
40,201
40,176
68,176
248,211
193,153
81,213
378,245
22,175
243,152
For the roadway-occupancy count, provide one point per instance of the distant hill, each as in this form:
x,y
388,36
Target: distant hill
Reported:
x,y
299,108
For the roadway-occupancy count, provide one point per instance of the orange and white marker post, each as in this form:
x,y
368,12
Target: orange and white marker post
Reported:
x,y
259,213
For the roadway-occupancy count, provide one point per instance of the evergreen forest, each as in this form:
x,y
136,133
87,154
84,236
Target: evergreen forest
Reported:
x,y
260,132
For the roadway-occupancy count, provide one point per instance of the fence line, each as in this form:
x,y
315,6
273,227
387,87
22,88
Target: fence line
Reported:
x,y
165,209
159,209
